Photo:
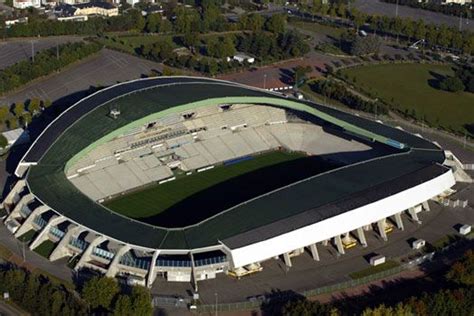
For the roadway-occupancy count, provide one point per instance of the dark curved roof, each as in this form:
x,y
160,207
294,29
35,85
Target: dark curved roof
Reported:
x,y
270,215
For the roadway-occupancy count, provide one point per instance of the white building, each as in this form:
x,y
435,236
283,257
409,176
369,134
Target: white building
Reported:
x,y
24,4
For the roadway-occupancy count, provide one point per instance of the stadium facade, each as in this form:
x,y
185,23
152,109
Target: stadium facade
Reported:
x,y
338,206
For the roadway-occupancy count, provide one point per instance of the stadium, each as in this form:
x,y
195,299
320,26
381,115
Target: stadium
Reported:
x,y
183,178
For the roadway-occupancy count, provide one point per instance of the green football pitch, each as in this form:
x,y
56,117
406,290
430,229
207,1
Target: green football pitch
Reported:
x,y
195,197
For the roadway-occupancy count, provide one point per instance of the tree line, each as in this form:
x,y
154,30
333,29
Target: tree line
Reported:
x,y
455,298
45,62
39,295
21,114
338,91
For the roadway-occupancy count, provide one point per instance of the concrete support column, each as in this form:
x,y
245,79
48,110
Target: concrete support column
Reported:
x,y
381,227
87,253
399,221
13,195
338,242
314,251
368,227
426,206
325,242
27,224
151,277
43,234
113,266
361,236
60,250
287,259
414,215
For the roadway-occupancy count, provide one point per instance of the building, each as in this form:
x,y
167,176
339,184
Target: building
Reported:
x,y
24,4
135,133
80,11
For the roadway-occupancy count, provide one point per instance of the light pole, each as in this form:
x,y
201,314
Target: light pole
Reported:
x,y
33,51
375,112
396,10
215,294
264,81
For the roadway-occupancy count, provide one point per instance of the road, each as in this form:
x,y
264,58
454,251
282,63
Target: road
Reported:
x,y
383,8
15,50
7,310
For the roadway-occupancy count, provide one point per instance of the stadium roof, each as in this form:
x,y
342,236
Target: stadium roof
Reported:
x,y
87,124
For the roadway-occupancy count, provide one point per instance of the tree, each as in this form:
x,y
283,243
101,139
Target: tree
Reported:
x,y
191,39
18,109
141,301
3,141
452,84
462,272
420,29
255,22
365,45
276,23
3,113
152,23
212,67
123,306
46,103
300,73
100,291
34,106
358,18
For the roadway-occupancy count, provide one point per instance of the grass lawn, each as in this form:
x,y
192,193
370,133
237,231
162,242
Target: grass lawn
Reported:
x,y
372,270
318,28
156,199
28,236
45,248
411,87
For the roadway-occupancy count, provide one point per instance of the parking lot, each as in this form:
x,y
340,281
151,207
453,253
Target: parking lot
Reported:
x,y
106,68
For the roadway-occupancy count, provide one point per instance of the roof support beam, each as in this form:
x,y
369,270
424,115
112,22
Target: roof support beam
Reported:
x,y
399,221
60,250
381,227
314,252
113,266
414,215
43,235
151,277
339,246
86,255
287,259
361,236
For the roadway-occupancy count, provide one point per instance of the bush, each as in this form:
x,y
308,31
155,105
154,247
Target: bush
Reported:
x,y
452,84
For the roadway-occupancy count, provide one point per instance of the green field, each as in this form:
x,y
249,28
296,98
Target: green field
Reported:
x,y
156,199
412,87
192,198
